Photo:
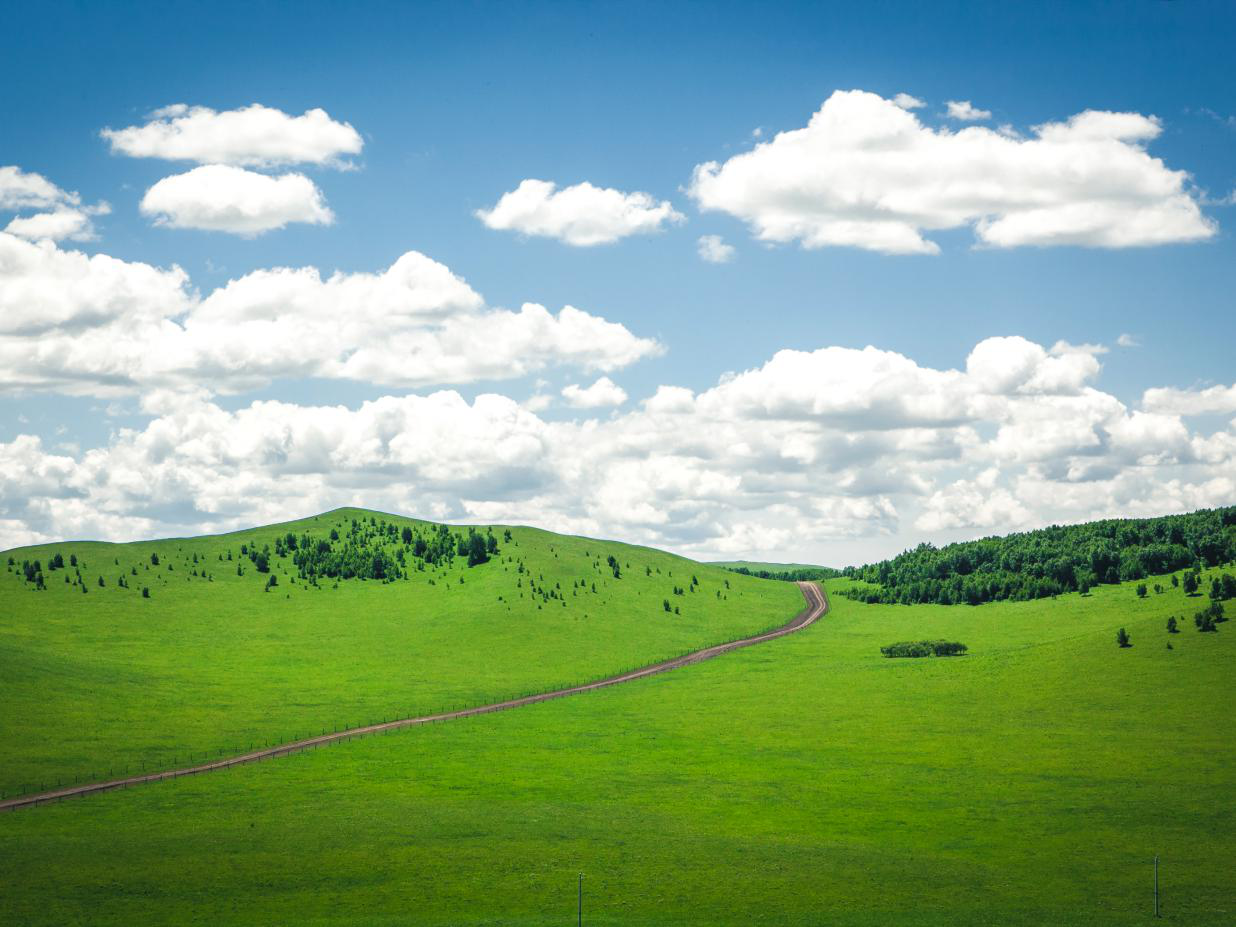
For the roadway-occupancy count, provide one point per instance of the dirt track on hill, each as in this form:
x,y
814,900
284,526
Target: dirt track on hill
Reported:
x,y
817,607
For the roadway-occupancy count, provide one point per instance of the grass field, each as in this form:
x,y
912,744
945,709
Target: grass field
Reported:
x,y
806,781
104,680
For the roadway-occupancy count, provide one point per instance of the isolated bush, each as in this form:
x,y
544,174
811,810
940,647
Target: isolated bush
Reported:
x,y
1141,590
145,592
1122,638
1171,625
924,649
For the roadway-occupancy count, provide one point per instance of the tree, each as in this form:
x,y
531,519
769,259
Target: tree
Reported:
x,y
1175,581
665,604
1171,625
154,560
101,583
406,535
145,592
1141,590
272,581
476,551
1122,638
1190,583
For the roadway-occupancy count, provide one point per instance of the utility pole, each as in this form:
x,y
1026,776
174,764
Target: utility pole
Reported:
x,y
580,908
1156,885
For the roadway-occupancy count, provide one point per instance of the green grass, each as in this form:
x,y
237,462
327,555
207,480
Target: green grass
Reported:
x,y
102,681
805,781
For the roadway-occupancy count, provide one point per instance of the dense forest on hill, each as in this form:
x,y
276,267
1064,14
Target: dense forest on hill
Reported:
x,y
799,574
1035,564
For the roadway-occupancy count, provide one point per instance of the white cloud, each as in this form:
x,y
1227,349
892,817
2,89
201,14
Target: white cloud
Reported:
x,y
604,392
811,449
581,215
59,224
867,173
714,250
26,190
252,136
1128,341
964,111
905,101
63,214
1214,399
220,198
100,326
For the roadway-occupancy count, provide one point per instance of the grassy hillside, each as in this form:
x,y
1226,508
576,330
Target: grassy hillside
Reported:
x,y
97,678
805,781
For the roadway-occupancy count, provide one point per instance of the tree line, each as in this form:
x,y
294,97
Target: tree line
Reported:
x,y
1050,561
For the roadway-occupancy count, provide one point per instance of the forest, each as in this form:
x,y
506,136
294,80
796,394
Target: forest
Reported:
x,y
1050,561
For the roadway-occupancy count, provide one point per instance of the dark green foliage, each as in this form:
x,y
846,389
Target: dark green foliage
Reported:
x,y
72,560
154,560
924,649
1122,638
613,565
145,592
272,581
666,605
56,562
1141,590
806,574
1051,561
1171,625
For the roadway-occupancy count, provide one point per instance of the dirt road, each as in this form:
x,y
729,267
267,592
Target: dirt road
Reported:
x,y
817,606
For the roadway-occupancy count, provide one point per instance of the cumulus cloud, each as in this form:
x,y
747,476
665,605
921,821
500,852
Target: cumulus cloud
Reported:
x,y
714,250
581,215
101,326
905,101
866,173
220,198
63,214
1170,401
604,392
965,111
252,136
807,454
1128,341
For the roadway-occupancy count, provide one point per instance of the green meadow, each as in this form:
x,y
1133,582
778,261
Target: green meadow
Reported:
x,y
804,781
96,682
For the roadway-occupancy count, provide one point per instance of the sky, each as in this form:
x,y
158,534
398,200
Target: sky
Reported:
x,y
791,282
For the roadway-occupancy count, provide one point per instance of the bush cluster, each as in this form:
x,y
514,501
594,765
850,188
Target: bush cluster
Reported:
x,y
924,649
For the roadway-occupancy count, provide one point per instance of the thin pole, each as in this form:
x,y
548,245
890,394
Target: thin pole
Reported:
x,y
581,900
1156,886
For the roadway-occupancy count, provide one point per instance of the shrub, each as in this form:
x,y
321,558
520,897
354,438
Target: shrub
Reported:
x,y
1122,638
924,649
1171,625
145,592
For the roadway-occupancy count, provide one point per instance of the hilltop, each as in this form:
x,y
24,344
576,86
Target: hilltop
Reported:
x,y
116,656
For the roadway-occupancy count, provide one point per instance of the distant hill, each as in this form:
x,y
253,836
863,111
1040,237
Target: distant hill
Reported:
x,y
1036,564
791,572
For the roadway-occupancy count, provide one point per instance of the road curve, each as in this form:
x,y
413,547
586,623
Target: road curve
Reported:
x,y
817,607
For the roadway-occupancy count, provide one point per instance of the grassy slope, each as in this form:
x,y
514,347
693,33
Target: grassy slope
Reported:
x,y
806,781
107,679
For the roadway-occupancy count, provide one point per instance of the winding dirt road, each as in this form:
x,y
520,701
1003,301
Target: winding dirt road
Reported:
x,y
817,606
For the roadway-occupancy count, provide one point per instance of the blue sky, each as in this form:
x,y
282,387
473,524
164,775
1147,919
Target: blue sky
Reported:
x,y
458,103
